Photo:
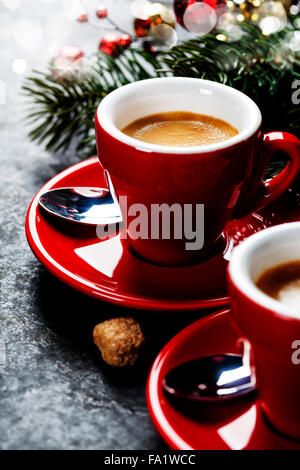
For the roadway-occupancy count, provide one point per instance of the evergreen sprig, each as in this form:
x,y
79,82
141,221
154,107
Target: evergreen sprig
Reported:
x,y
263,67
62,111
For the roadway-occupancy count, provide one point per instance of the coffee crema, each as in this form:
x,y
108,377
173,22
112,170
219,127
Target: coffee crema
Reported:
x,y
180,129
282,283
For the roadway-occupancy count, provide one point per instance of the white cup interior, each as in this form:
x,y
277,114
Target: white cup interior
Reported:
x,y
266,249
140,99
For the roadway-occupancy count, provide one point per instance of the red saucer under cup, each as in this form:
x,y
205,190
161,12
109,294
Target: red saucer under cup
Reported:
x,y
109,271
236,424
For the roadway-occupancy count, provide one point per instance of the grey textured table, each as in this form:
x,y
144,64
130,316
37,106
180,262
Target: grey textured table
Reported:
x,y
55,391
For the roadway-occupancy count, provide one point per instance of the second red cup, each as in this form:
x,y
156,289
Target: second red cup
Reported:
x,y
272,327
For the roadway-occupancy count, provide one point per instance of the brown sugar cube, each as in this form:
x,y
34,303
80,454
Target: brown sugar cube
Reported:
x,y
119,340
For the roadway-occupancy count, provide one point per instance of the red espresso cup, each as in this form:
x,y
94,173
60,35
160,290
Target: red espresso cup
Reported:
x,y
272,328
210,183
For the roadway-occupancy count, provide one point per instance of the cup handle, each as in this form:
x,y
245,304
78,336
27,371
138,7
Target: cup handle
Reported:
x,y
272,189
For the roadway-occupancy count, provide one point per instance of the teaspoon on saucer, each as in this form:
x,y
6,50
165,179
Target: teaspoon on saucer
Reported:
x,y
86,206
212,378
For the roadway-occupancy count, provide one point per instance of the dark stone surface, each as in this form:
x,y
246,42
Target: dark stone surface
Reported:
x,y
55,391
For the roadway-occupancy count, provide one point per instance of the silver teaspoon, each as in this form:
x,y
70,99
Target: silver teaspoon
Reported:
x,y
212,378
86,206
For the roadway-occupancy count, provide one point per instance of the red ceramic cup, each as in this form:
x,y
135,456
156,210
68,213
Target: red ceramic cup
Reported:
x,y
272,327
224,177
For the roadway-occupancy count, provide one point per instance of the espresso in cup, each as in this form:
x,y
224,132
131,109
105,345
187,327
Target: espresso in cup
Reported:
x,y
282,282
180,129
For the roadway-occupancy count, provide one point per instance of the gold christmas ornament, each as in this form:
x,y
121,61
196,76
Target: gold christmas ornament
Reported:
x,y
147,16
163,35
160,14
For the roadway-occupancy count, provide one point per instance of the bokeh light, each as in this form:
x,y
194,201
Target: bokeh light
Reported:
x,y
271,17
200,18
19,66
270,25
295,9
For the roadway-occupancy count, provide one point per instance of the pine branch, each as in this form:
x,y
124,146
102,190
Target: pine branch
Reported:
x,y
63,111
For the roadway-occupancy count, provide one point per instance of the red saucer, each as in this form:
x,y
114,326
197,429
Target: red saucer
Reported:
x,y
235,425
107,270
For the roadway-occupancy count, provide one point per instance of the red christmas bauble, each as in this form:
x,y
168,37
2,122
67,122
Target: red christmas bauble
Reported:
x,y
82,18
101,12
142,27
181,5
110,44
113,44
125,40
